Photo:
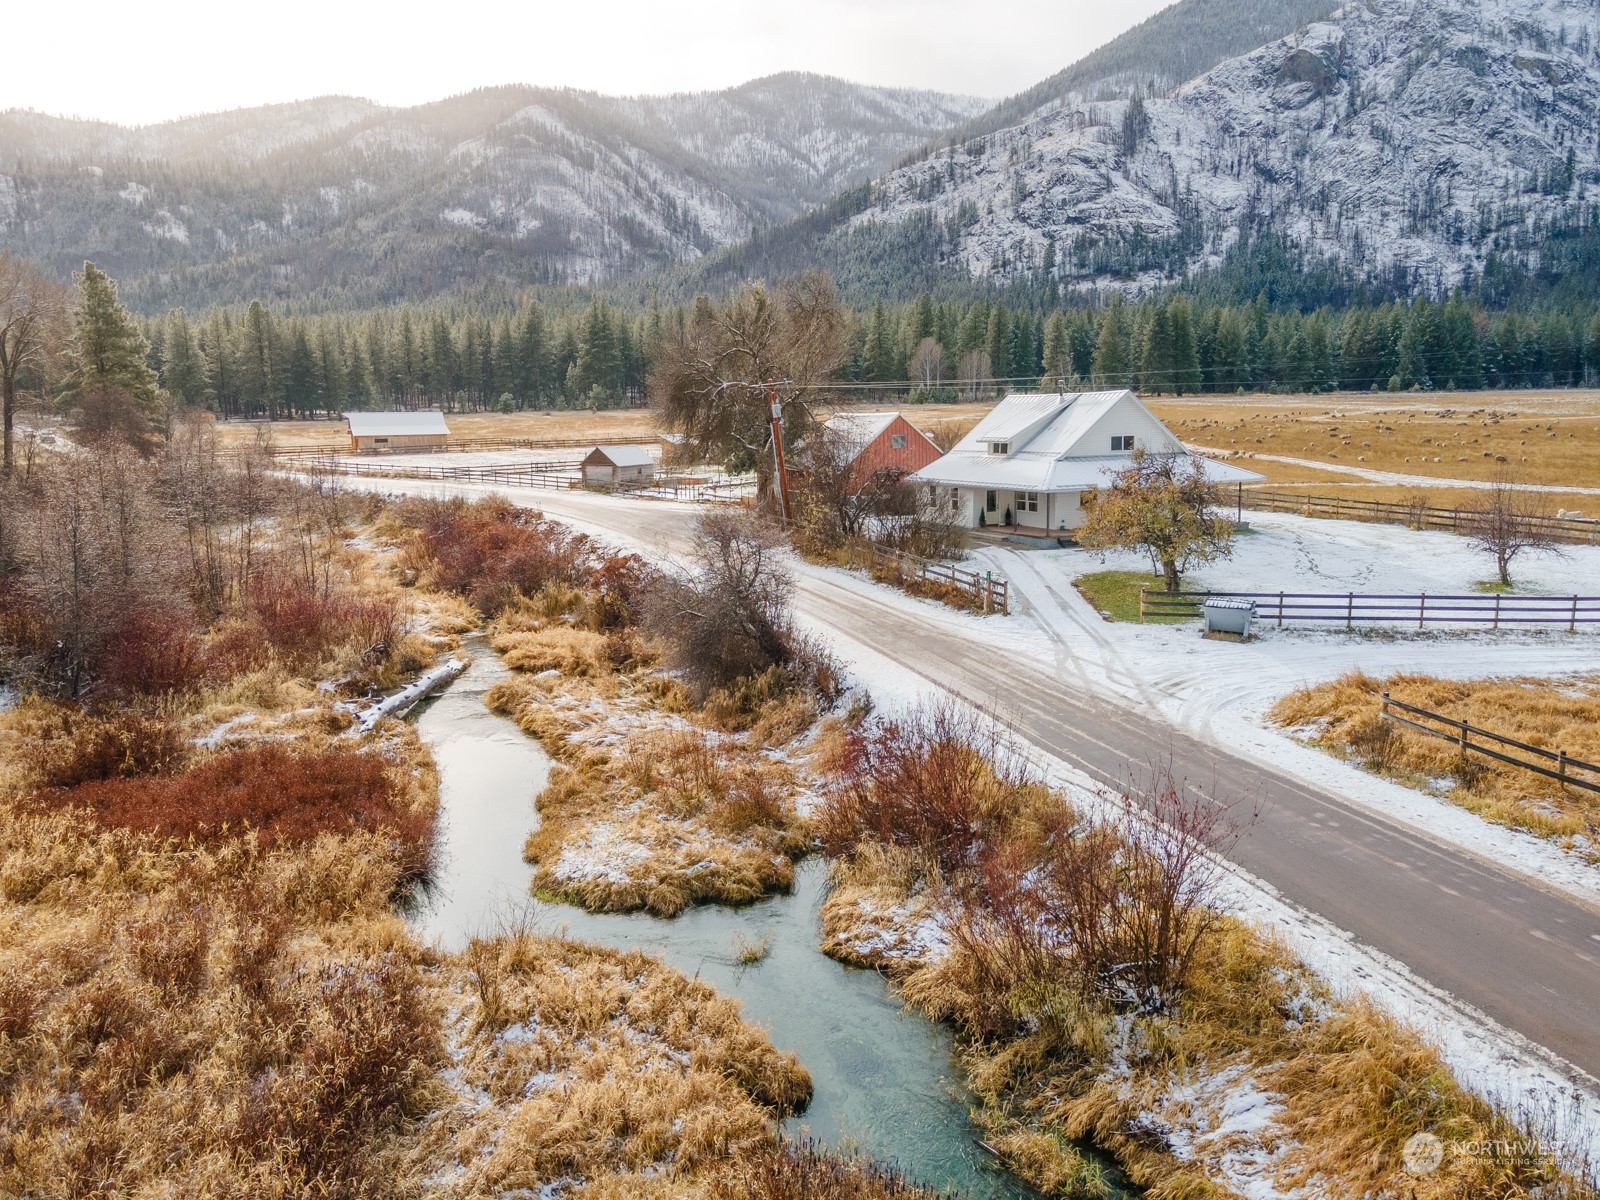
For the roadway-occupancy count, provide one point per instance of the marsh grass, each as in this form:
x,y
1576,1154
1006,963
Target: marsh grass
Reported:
x,y
1343,716
976,911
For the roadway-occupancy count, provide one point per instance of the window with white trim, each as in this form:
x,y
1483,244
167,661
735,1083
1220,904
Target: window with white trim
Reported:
x,y
1122,441
1027,501
999,447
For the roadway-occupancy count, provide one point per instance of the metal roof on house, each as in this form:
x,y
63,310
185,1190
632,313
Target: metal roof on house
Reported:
x,y
625,456
1047,449
397,424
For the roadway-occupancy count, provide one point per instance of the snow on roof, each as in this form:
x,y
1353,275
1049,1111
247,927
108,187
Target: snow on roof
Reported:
x,y
625,456
396,424
860,430
1046,447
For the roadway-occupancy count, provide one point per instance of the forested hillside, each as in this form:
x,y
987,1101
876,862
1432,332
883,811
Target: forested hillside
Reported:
x,y
341,203
1403,146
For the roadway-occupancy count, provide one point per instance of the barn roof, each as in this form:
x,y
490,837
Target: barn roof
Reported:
x,y
397,424
624,456
860,430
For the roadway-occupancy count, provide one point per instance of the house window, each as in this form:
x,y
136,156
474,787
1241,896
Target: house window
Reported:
x,y
1122,441
991,501
897,441
1027,501
999,447
380,441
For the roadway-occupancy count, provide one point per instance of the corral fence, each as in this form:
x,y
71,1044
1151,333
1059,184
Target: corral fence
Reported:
x,y
1555,764
1581,530
454,445
1353,608
989,590
558,475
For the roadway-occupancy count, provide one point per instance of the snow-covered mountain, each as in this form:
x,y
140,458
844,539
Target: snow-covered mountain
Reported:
x,y
366,203
1409,140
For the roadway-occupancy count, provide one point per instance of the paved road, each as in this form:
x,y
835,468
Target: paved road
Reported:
x,y
1527,956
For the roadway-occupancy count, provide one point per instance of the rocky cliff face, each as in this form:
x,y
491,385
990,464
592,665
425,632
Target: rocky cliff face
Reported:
x,y
516,184
1409,140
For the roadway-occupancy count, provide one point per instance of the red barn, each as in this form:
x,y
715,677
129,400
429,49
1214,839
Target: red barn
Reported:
x,y
881,441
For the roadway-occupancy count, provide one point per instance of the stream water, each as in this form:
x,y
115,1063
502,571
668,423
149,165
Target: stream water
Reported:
x,y
884,1078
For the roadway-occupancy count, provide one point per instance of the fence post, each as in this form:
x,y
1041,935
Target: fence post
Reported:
x,y
1463,737
1422,610
1350,612
1141,603
1497,610
1572,627
1561,765
1280,610
1383,709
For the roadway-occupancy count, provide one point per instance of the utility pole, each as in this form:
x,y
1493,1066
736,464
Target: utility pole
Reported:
x,y
777,452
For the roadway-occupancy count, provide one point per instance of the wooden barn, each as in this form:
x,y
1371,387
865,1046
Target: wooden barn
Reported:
x,y
397,432
619,466
881,441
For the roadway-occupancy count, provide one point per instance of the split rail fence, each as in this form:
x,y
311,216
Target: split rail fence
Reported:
x,y
1566,770
559,475
454,445
1581,530
990,591
1353,608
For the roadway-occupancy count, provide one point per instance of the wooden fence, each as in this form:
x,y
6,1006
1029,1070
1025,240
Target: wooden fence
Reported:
x,y
990,591
1566,770
1582,530
556,475
454,445
1351,608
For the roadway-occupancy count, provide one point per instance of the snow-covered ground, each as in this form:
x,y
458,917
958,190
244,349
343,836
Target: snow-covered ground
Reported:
x,y
1385,478
1222,690
1496,1062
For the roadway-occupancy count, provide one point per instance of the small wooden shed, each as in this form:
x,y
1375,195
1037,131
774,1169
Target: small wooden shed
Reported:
x,y
620,466
392,432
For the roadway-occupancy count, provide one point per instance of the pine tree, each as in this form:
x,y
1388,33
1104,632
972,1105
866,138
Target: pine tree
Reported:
x,y
1156,361
258,387
882,359
183,372
1185,376
108,350
1057,352
1111,359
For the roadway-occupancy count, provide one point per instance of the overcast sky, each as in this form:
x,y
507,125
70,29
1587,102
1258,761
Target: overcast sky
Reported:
x,y
138,62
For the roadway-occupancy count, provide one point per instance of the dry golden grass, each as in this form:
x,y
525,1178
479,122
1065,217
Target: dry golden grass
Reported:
x,y
603,427
1343,716
1471,437
1350,1084
648,811
574,1062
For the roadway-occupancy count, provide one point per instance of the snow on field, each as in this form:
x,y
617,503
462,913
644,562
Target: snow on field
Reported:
x,y
1221,691
471,458
1387,478
1488,1058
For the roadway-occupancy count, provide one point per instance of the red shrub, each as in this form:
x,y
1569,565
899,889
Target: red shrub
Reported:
x,y
284,796
154,653
932,782
79,748
302,623
489,550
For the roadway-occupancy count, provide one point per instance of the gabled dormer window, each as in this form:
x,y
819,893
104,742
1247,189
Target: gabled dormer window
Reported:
x,y
1121,441
999,447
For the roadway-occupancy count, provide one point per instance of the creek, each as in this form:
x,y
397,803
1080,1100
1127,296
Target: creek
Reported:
x,y
885,1079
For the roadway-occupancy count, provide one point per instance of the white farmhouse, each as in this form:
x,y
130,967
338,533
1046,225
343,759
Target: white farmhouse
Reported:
x,y
1030,462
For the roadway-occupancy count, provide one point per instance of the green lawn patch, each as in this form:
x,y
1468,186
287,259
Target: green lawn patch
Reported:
x,y
1115,594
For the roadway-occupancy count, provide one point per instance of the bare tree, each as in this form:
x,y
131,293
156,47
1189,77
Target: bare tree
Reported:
x,y
927,363
1509,520
710,380
839,499
726,616
973,371
33,328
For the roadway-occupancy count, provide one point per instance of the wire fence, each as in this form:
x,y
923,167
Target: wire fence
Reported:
x,y
1567,770
1353,608
458,445
1581,530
